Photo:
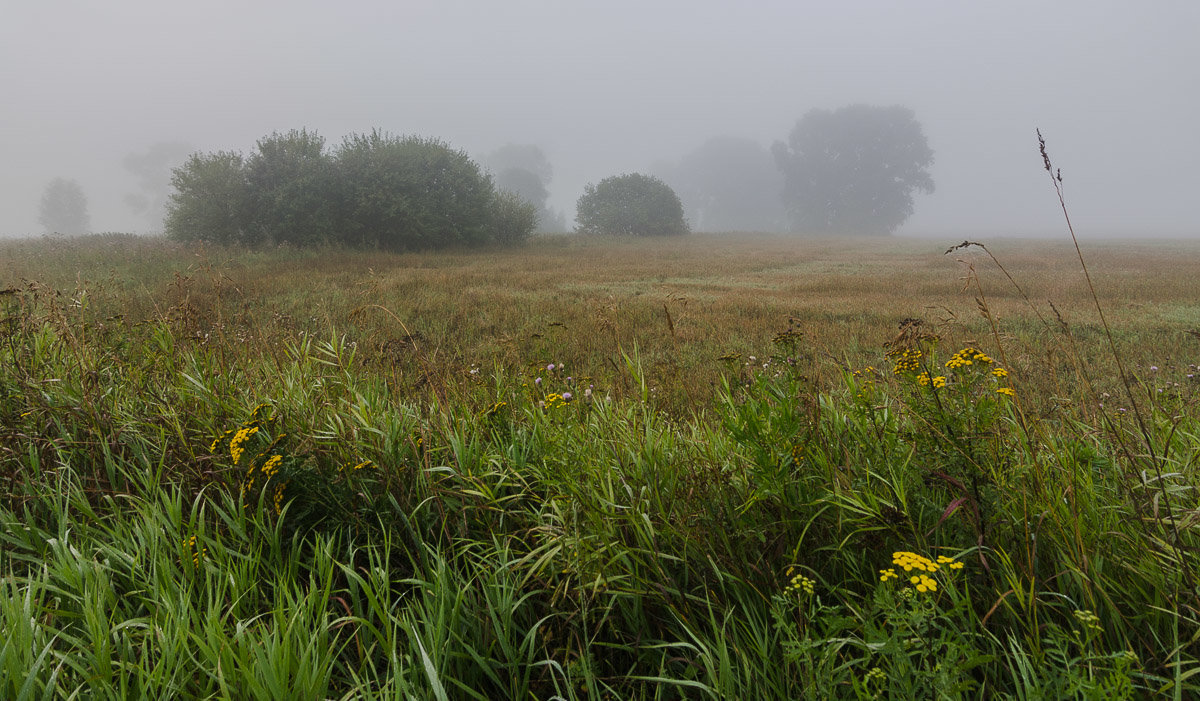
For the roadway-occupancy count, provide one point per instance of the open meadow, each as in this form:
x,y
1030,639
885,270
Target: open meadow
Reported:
x,y
703,467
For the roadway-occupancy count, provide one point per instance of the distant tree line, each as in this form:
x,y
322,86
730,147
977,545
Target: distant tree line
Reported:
x,y
374,190
850,171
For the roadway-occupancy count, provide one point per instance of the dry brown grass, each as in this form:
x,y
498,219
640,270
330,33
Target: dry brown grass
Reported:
x,y
681,302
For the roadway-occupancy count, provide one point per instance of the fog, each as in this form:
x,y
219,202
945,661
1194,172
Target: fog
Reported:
x,y
616,87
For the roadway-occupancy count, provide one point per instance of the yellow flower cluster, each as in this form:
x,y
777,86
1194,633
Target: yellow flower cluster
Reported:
x,y
271,466
924,379
907,360
968,356
554,400
797,453
799,584
909,561
912,561
1007,391
495,409
1000,373
269,470
235,437
248,485
356,467
943,560
197,552
235,445
218,440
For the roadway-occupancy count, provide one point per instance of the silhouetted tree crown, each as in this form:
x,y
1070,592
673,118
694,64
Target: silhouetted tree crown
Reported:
x,y
528,157
64,208
854,170
411,192
524,170
211,199
631,204
152,169
525,184
375,190
293,190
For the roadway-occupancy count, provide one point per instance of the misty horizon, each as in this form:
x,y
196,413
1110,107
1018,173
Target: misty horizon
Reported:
x,y
624,88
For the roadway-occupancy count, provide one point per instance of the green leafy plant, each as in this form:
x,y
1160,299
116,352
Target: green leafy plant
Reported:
x,y
632,204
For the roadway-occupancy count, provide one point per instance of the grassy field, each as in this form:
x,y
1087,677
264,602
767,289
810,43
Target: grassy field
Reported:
x,y
709,467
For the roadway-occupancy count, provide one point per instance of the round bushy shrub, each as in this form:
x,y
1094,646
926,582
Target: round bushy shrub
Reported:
x,y
631,204
211,199
410,192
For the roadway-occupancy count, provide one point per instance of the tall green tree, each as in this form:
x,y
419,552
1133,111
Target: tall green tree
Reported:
x,y
294,191
854,170
524,170
211,199
64,208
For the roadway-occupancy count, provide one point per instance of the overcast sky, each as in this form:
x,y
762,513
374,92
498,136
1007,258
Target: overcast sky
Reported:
x,y
613,87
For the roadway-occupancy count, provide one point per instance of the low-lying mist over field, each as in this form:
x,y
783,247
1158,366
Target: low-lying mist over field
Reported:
x,y
103,100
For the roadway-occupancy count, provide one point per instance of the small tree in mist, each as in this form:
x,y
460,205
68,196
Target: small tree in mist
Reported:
x,y
152,168
524,170
527,157
293,190
211,199
524,184
64,208
636,204
854,170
